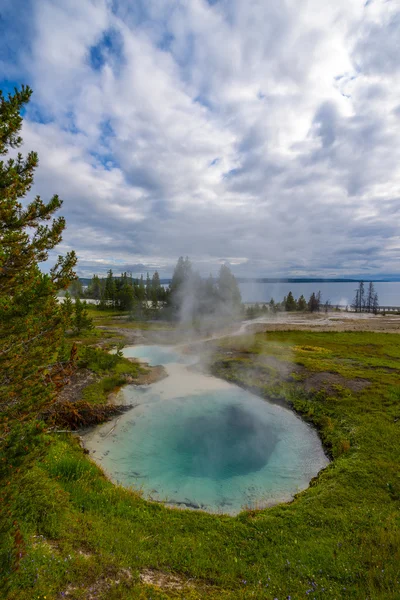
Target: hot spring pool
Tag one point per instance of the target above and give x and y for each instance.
(195, 440)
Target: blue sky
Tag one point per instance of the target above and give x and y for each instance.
(257, 132)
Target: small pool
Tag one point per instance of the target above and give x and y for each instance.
(194, 440)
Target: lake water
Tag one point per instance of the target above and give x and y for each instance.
(337, 293)
(194, 440)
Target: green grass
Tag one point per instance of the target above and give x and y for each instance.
(137, 325)
(117, 318)
(99, 314)
(97, 393)
(65, 527)
(113, 369)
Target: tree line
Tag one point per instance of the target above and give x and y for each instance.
(290, 304)
(122, 292)
(364, 301)
(188, 297)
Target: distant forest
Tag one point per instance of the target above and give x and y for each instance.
(189, 296)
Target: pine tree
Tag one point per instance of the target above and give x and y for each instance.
(32, 322)
(228, 290)
(156, 289)
(314, 302)
(148, 288)
(94, 288)
(359, 299)
(361, 296)
(375, 304)
(110, 289)
(290, 302)
(369, 303)
(141, 290)
(302, 304)
(209, 297)
(125, 297)
(356, 302)
(68, 307)
(75, 288)
(81, 321)
(182, 275)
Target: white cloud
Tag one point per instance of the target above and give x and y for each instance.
(260, 131)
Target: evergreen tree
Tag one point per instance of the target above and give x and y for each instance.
(359, 299)
(361, 296)
(32, 322)
(148, 288)
(110, 289)
(290, 303)
(356, 302)
(75, 289)
(302, 304)
(314, 303)
(182, 275)
(375, 304)
(125, 297)
(156, 289)
(94, 290)
(369, 304)
(228, 290)
(209, 296)
(68, 307)
(81, 320)
(141, 290)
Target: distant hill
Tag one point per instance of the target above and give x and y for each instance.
(86, 280)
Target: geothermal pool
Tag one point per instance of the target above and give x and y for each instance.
(194, 440)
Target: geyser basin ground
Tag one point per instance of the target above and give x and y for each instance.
(195, 440)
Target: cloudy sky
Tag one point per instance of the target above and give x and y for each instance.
(261, 132)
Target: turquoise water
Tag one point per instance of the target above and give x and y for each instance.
(156, 355)
(197, 441)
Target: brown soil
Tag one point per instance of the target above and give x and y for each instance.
(75, 415)
(165, 581)
(327, 381)
(152, 375)
(99, 587)
(72, 392)
(70, 411)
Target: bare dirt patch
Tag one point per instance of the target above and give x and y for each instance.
(98, 588)
(329, 382)
(153, 374)
(165, 581)
(72, 392)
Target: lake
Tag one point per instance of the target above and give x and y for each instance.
(336, 292)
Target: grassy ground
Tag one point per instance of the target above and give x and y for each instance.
(74, 534)
(113, 318)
